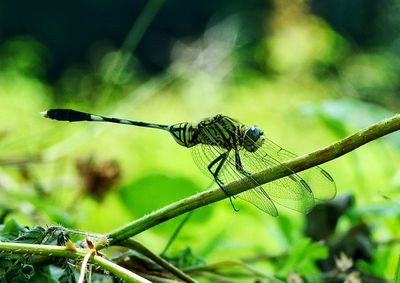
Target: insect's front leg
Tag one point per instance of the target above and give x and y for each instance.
(239, 166)
(221, 161)
(241, 170)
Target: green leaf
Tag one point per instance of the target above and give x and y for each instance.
(10, 230)
(384, 263)
(28, 271)
(68, 275)
(303, 256)
(34, 235)
(185, 258)
(152, 192)
(45, 274)
(341, 115)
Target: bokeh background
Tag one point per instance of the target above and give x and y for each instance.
(307, 72)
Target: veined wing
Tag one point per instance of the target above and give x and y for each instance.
(204, 154)
(291, 191)
(320, 181)
(296, 191)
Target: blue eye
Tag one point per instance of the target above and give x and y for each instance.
(253, 139)
(254, 133)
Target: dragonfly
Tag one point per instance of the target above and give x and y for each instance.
(228, 150)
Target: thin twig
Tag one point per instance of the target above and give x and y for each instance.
(176, 232)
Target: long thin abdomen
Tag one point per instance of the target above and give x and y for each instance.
(76, 116)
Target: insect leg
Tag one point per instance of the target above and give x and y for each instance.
(221, 161)
(239, 166)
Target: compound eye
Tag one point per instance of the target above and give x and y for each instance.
(253, 139)
(255, 133)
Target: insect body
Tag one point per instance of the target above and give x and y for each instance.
(228, 150)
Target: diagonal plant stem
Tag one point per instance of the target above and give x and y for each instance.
(297, 164)
(176, 232)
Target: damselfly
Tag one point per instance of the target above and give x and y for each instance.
(228, 150)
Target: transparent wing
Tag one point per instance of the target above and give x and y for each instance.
(320, 181)
(291, 191)
(296, 191)
(203, 155)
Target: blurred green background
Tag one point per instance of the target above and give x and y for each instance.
(307, 72)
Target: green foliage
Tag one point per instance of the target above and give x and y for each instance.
(22, 267)
(186, 259)
(154, 191)
(302, 82)
(10, 230)
(303, 256)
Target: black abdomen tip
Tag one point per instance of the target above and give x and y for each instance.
(66, 115)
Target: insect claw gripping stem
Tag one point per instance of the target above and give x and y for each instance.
(220, 184)
(233, 206)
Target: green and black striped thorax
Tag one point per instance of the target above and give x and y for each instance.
(221, 131)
